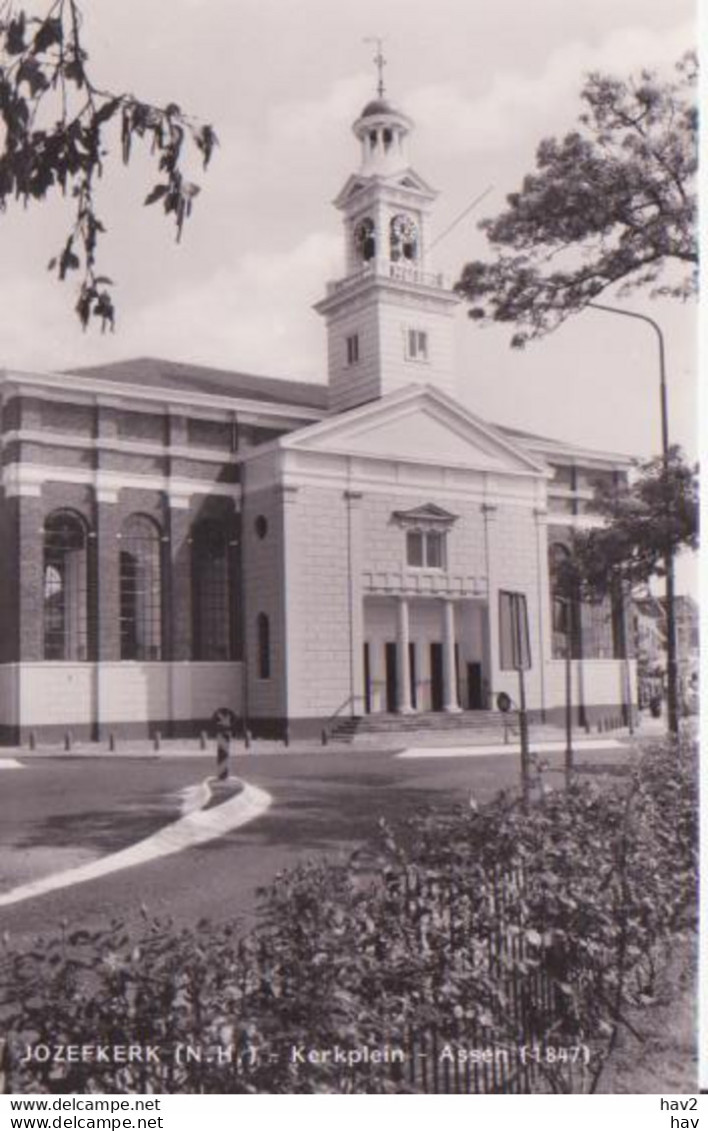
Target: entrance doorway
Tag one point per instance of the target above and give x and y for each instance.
(414, 677)
(475, 699)
(436, 677)
(391, 678)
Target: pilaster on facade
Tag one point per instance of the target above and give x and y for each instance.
(30, 556)
(355, 597)
(107, 524)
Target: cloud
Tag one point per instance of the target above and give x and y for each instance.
(517, 104)
(305, 121)
(251, 316)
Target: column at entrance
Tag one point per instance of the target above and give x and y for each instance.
(450, 698)
(404, 658)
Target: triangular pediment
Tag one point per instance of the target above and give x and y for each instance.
(353, 188)
(405, 179)
(429, 514)
(411, 180)
(418, 424)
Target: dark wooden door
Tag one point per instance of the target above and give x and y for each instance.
(474, 687)
(367, 679)
(436, 677)
(391, 678)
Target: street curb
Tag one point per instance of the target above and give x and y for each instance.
(196, 826)
(549, 747)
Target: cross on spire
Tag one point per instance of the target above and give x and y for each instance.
(379, 61)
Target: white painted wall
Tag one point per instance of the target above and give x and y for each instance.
(67, 694)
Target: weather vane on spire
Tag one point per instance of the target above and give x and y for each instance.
(379, 60)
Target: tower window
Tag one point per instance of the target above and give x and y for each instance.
(352, 349)
(416, 345)
(365, 239)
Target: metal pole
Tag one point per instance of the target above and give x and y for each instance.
(671, 658)
(523, 720)
(568, 695)
(524, 738)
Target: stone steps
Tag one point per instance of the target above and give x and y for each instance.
(347, 729)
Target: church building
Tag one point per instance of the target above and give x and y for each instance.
(177, 540)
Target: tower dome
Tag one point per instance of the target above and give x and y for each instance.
(383, 133)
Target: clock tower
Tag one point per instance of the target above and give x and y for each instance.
(390, 319)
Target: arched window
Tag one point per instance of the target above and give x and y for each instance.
(365, 239)
(404, 238)
(65, 590)
(140, 590)
(211, 619)
(263, 628)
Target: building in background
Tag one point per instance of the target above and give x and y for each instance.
(177, 539)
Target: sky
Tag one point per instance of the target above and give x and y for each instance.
(282, 81)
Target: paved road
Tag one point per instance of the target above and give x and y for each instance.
(324, 805)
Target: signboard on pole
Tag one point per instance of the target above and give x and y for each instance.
(514, 645)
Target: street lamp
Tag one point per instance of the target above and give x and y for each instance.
(671, 661)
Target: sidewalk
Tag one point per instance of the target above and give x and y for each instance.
(491, 738)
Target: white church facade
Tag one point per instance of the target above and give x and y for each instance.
(177, 540)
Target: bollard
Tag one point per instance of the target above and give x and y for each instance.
(286, 737)
(202, 740)
(325, 739)
(223, 750)
(111, 742)
(156, 740)
(247, 738)
(32, 740)
(67, 740)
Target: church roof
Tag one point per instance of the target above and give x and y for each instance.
(161, 374)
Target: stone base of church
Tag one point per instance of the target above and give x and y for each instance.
(127, 699)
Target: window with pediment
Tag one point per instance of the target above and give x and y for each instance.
(426, 530)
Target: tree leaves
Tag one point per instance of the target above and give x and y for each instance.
(659, 512)
(44, 78)
(612, 203)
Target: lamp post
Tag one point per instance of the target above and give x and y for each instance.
(671, 659)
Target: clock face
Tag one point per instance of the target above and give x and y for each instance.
(404, 228)
(404, 237)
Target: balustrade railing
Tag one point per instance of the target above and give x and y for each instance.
(398, 270)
